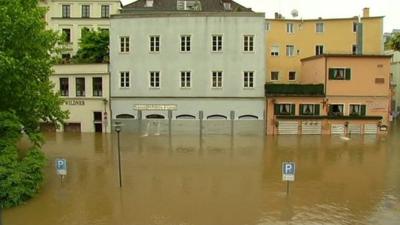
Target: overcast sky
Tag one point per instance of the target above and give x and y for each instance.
(327, 9)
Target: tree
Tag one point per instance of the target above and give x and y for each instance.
(393, 42)
(94, 47)
(26, 96)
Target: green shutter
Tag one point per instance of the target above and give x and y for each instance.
(293, 112)
(301, 109)
(276, 109)
(363, 110)
(348, 74)
(331, 74)
(316, 111)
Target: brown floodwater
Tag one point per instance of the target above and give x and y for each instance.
(217, 180)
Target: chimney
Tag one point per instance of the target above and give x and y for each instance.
(276, 15)
(366, 12)
(149, 3)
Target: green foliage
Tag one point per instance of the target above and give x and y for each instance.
(26, 96)
(20, 179)
(294, 89)
(26, 50)
(393, 42)
(93, 48)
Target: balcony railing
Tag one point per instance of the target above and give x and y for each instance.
(316, 90)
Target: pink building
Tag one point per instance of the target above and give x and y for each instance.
(337, 94)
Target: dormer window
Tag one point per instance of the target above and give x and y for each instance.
(227, 6)
(149, 3)
(190, 5)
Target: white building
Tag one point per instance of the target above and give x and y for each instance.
(85, 91)
(72, 17)
(203, 59)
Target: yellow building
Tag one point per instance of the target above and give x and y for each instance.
(289, 40)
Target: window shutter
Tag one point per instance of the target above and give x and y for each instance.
(316, 110)
(301, 109)
(348, 74)
(293, 111)
(331, 74)
(363, 110)
(276, 109)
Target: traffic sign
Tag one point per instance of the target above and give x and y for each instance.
(288, 171)
(61, 167)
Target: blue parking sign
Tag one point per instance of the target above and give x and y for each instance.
(61, 167)
(288, 171)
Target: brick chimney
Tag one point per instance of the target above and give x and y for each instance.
(366, 12)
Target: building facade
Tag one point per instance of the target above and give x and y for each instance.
(337, 94)
(85, 91)
(290, 40)
(395, 64)
(74, 17)
(201, 59)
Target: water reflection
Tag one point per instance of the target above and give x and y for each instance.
(217, 180)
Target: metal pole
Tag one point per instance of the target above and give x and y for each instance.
(119, 160)
(287, 188)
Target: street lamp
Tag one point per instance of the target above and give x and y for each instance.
(118, 130)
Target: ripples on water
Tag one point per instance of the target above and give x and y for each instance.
(217, 180)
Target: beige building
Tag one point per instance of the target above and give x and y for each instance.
(72, 17)
(85, 91)
(290, 40)
(337, 94)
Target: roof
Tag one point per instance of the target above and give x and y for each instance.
(344, 56)
(171, 5)
(355, 18)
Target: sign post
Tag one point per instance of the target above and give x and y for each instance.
(61, 167)
(288, 172)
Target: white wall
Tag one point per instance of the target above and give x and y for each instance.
(201, 61)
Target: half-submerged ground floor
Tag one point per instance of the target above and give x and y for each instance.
(327, 115)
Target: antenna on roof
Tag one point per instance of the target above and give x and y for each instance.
(295, 13)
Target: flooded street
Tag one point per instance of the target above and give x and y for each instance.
(217, 180)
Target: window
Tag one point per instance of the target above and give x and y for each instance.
(248, 79)
(309, 109)
(185, 79)
(154, 43)
(155, 79)
(64, 87)
(275, 51)
(267, 26)
(379, 80)
(80, 86)
(336, 110)
(66, 11)
(357, 110)
(355, 25)
(292, 75)
(84, 31)
(124, 44)
(105, 11)
(290, 27)
(217, 79)
(66, 32)
(274, 75)
(217, 43)
(339, 74)
(185, 43)
(97, 86)
(319, 27)
(354, 49)
(85, 11)
(284, 109)
(248, 43)
(124, 80)
(290, 50)
(66, 57)
(319, 49)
